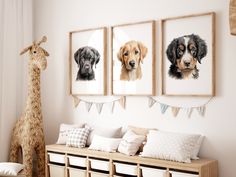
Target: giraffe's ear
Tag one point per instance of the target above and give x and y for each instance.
(45, 52)
(25, 50)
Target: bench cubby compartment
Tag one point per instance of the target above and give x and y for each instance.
(89, 163)
(56, 171)
(73, 172)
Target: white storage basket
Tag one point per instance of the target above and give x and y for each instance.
(57, 158)
(148, 172)
(99, 164)
(126, 168)
(77, 161)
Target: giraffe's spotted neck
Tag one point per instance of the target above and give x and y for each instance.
(33, 104)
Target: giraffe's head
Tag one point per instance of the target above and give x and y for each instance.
(37, 54)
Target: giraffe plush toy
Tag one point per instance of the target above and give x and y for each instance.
(28, 133)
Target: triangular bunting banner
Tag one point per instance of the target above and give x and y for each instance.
(122, 102)
(189, 112)
(175, 111)
(163, 108)
(201, 110)
(76, 101)
(88, 105)
(151, 102)
(99, 107)
(112, 106)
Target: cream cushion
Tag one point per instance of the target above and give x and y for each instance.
(170, 146)
(130, 143)
(111, 132)
(140, 131)
(101, 143)
(10, 169)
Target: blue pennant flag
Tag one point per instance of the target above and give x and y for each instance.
(164, 107)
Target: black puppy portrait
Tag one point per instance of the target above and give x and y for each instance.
(86, 58)
(185, 53)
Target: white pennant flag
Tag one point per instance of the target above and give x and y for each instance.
(201, 110)
(175, 111)
(99, 107)
(151, 102)
(112, 106)
(189, 112)
(88, 105)
(163, 108)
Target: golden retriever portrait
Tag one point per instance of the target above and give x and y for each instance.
(131, 55)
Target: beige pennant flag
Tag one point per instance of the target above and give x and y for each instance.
(122, 102)
(175, 111)
(76, 101)
(88, 105)
(151, 102)
(99, 107)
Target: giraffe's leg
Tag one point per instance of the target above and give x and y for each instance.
(28, 160)
(40, 153)
(14, 149)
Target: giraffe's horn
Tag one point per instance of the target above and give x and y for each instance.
(44, 39)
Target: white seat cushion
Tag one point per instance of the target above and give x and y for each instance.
(10, 168)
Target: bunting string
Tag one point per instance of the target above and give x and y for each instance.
(175, 109)
(99, 105)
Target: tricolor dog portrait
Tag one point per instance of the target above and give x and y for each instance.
(131, 55)
(88, 61)
(133, 58)
(185, 53)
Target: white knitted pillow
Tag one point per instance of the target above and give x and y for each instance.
(170, 146)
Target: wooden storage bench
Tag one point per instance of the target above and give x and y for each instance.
(62, 161)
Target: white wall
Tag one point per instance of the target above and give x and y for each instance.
(55, 18)
(15, 32)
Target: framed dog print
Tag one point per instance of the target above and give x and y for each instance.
(188, 55)
(133, 59)
(88, 62)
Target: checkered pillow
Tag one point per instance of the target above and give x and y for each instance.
(78, 137)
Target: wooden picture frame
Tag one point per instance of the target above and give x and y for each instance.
(88, 61)
(188, 55)
(133, 70)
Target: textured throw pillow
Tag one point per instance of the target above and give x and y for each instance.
(101, 143)
(140, 131)
(64, 131)
(78, 137)
(170, 146)
(10, 169)
(196, 149)
(130, 143)
(105, 132)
